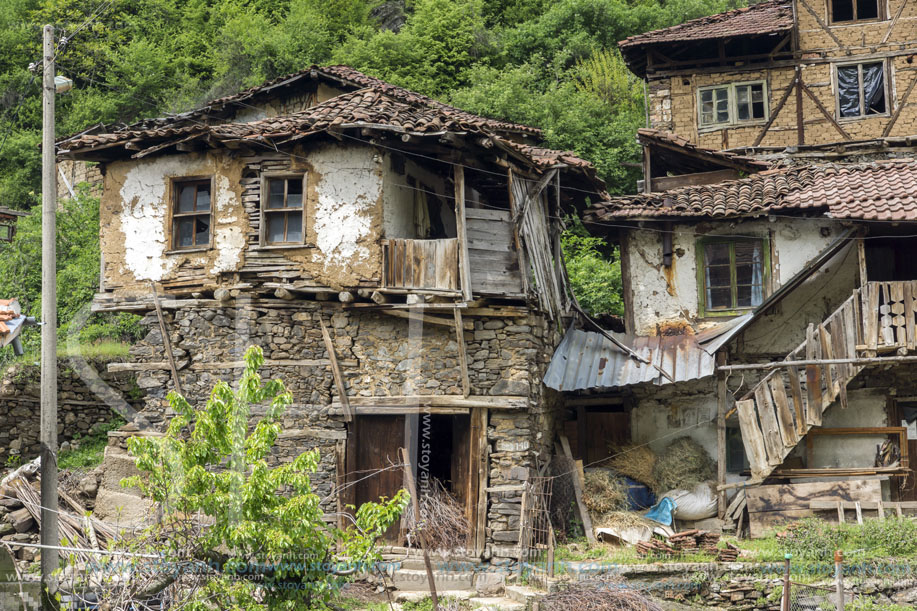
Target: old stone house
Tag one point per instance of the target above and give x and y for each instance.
(767, 261)
(396, 258)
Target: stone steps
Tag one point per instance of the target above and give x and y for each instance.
(522, 594)
(416, 580)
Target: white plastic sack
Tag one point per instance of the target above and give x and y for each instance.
(697, 504)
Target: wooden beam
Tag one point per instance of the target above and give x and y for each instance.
(166, 341)
(893, 22)
(486, 401)
(578, 485)
(464, 265)
(427, 318)
(770, 121)
(824, 111)
(879, 360)
(463, 355)
(901, 104)
(336, 372)
(822, 24)
(800, 123)
(861, 254)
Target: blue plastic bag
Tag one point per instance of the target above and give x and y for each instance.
(663, 511)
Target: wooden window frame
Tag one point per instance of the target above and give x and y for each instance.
(264, 211)
(6, 232)
(886, 76)
(175, 184)
(881, 12)
(732, 101)
(735, 310)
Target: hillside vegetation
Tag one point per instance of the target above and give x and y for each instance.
(548, 63)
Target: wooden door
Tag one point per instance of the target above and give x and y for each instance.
(372, 446)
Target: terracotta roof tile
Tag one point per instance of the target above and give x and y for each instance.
(882, 190)
(365, 107)
(766, 17)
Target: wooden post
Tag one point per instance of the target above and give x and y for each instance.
(861, 257)
(578, 485)
(800, 124)
(336, 373)
(647, 170)
(785, 606)
(464, 266)
(721, 436)
(166, 341)
(412, 490)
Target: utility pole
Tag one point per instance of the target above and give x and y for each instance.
(49, 534)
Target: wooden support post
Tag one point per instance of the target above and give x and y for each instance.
(412, 490)
(463, 355)
(479, 461)
(464, 265)
(721, 436)
(861, 258)
(800, 124)
(166, 341)
(336, 372)
(578, 485)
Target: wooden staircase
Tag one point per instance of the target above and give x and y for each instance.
(877, 320)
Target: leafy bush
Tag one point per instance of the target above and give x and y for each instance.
(90, 448)
(814, 539)
(594, 277)
(257, 519)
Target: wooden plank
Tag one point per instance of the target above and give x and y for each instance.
(799, 406)
(859, 511)
(376, 410)
(772, 438)
(867, 505)
(463, 355)
(721, 398)
(166, 339)
(487, 214)
(578, 485)
(843, 371)
(813, 390)
(861, 261)
(477, 496)
(880, 509)
(799, 495)
(336, 373)
(909, 310)
(871, 315)
(784, 417)
(752, 438)
(898, 310)
(492, 402)
(830, 371)
(426, 318)
(840, 513)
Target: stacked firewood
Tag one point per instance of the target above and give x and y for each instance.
(686, 542)
(728, 554)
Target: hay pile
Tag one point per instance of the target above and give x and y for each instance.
(443, 519)
(598, 596)
(622, 520)
(604, 492)
(682, 465)
(635, 462)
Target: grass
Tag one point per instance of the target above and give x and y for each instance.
(91, 448)
(104, 349)
(607, 553)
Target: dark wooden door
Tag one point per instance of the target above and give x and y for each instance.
(908, 491)
(373, 447)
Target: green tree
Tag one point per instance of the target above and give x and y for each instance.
(594, 277)
(256, 519)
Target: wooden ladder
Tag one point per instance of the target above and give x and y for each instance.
(776, 414)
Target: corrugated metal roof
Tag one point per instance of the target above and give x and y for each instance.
(587, 360)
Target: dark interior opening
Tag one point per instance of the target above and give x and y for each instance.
(439, 443)
(867, 9)
(891, 258)
(842, 10)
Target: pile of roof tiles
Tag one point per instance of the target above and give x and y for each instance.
(689, 542)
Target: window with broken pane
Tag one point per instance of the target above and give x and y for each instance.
(750, 104)
(714, 106)
(191, 214)
(733, 274)
(282, 209)
(861, 90)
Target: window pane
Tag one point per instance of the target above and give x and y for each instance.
(275, 193)
(719, 298)
(848, 91)
(743, 296)
(202, 229)
(748, 252)
(742, 103)
(185, 232)
(744, 273)
(294, 193)
(757, 101)
(294, 226)
(842, 10)
(203, 197)
(275, 227)
(874, 88)
(722, 105)
(186, 198)
(719, 275)
(867, 9)
(716, 254)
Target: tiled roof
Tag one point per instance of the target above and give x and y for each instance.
(363, 108)
(766, 17)
(674, 141)
(881, 190)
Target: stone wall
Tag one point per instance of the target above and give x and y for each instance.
(380, 355)
(79, 410)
